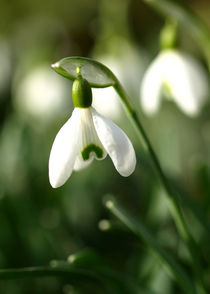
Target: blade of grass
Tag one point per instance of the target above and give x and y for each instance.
(140, 229)
(123, 281)
(77, 275)
(74, 276)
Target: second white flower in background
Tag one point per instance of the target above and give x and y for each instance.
(180, 77)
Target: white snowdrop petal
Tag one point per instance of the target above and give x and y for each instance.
(185, 97)
(116, 143)
(181, 84)
(89, 145)
(150, 91)
(81, 164)
(186, 79)
(64, 151)
(198, 77)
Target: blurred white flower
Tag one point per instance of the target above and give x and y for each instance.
(39, 94)
(176, 75)
(85, 136)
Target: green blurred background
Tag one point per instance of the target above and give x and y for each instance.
(39, 224)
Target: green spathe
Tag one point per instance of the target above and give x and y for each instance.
(97, 74)
(81, 92)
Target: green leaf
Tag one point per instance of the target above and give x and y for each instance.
(79, 273)
(140, 229)
(97, 74)
(119, 281)
(75, 276)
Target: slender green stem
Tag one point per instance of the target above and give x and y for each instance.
(173, 197)
(176, 211)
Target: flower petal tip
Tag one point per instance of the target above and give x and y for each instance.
(55, 184)
(130, 168)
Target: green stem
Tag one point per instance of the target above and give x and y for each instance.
(172, 195)
(176, 211)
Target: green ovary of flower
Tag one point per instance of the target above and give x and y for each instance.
(81, 92)
(91, 148)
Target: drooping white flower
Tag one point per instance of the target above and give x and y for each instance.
(85, 136)
(180, 77)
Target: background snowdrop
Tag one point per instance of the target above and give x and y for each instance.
(175, 75)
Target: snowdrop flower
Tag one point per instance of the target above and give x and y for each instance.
(85, 136)
(178, 76)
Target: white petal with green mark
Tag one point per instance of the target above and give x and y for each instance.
(90, 146)
(85, 136)
(116, 143)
